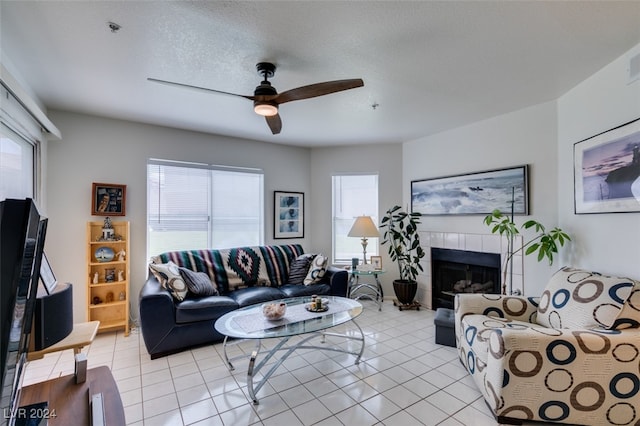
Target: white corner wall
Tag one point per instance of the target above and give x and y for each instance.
(608, 243)
(527, 136)
(95, 149)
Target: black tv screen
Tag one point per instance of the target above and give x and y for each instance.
(22, 234)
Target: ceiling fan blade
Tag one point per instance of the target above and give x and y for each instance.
(318, 89)
(188, 86)
(275, 123)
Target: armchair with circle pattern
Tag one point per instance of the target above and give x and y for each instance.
(571, 355)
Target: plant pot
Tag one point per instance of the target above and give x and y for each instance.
(405, 290)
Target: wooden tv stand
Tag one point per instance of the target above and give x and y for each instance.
(69, 403)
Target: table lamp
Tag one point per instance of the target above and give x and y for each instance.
(365, 228)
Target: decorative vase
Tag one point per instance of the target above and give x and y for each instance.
(405, 290)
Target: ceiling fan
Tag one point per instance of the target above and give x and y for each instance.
(266, 99)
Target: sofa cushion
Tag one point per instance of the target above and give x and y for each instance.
(576, 298)
(168, 274)
(317, 269)
(198, 283)
(298, 290)
(252, 295)
(630, 315)
(300, 268)
(193, 309)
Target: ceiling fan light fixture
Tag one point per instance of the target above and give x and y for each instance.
(266, 109)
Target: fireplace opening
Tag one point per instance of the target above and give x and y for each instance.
(462, 271)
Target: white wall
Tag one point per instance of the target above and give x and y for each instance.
(609, 243)
(527, 136)
(95, 149)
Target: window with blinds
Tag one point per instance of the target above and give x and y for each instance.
(197, 206)
(353, 195)
(17, 165)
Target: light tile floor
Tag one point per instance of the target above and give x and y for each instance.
(404, 378)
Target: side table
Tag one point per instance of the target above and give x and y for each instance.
(82, 335)
(371, 291)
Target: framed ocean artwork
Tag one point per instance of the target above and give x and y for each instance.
(478, 193)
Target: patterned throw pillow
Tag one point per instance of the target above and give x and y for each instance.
(198, 283)
(316, 270)
(630, 315)
(576, 298)
(300, 268)
(169, 276)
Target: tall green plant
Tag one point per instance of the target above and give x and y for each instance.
(401, 233)
(544, 243)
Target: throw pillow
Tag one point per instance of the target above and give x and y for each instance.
(198, 283)
(630, 315)
(169, 276)
(576, 298)
(316, 270)
(300, 268)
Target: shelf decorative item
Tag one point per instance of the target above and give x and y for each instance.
(104, 254)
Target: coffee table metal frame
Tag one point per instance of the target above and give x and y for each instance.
(314, 327)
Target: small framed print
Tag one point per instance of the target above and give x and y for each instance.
(108, 199)
(288, 214)
(47, 277)
(376, 261)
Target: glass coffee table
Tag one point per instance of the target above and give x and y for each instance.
(249, 323)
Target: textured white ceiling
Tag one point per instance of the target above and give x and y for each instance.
(429, 65)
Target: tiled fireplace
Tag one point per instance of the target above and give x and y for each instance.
(462, 271)
(483, 243)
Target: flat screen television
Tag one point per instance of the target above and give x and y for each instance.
(22, 235)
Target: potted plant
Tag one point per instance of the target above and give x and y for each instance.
(401, 233)
(544, 243)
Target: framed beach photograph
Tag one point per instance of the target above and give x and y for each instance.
(606, 170)
(108, 199)
(477, 193)
(288, 214)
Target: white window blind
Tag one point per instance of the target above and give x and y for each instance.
(196, 206)
(17, 165)
(353, 195)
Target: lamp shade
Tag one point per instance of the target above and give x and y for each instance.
(364, 227)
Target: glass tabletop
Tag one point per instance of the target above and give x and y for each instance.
(249, 323)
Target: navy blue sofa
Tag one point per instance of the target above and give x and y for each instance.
(170, 326)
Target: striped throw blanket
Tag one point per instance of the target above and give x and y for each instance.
(240, 267)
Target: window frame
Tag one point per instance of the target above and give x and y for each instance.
(373, 247)
(211, 171)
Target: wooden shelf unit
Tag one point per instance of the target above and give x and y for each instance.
(113, 315)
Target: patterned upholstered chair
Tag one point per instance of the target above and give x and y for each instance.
(569, 356)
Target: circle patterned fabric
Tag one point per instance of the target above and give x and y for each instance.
(577, 375)
(576, 298)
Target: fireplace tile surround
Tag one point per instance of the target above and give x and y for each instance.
(486, 243)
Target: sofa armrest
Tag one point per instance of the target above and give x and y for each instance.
(496, 305)
(567, 366)
(157, 312)
(337, 278)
